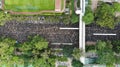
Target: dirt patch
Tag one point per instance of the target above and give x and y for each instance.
(94, 4)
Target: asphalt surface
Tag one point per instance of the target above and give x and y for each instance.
(93, 28)
(20, 32)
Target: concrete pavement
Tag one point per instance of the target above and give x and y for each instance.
(82, 30)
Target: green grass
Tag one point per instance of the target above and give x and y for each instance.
(29, 5)
(62, 6)
(74, 17)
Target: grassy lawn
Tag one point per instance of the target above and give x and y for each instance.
(74, 17)
(62, 6)
(29, 5)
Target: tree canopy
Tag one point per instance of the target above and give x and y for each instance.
(116, 46)
(76, 63)
(105, 53)
(6, 48)
(4, 17)
(67, 51)
(41, 62)
(89, 16)
(34, 51)
(76, 53)
(33, 45)
(116, 6)
(105, 15)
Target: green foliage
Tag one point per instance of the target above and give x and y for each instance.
(30, 53)
(89, 47)
(67, 51)
(89, 2)
(78, 3)
(41, 62)
(16, 60)
(36, 49)
(4, 18)
(46, 54)
(62, 58)
(76, 63)
(6, 48)
(116, 6)
(66, 19)
(88, 17)
(117, 19)
(33, 46)
(110, 65)
(74, 17)
(76, 53)
(117, 59)
(105, 16)
(62, 66)
(116, 46)
(105, 53)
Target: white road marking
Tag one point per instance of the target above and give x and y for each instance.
(66, 28)
(104, 34)
(62, 43)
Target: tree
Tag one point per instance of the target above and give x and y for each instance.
(76, 53)
(38, 42)
(117, 19)
(16, 60)
(116, 6)
(67, 50)
(46, 54)
(105, 53)
(88, 17)
(31, 53)
(41, 62)
(76, 63)
(116, 46)
(74, 18)
(105, 16)
(6, 48)
(4, 17)
(34, 45)
(100, 45)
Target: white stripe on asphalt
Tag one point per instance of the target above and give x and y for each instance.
(66, 28)
(62, 43)
(104, 34)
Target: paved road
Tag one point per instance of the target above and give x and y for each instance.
(97, 29)
(51, 32)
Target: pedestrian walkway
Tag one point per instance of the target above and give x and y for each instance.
(82, 31)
